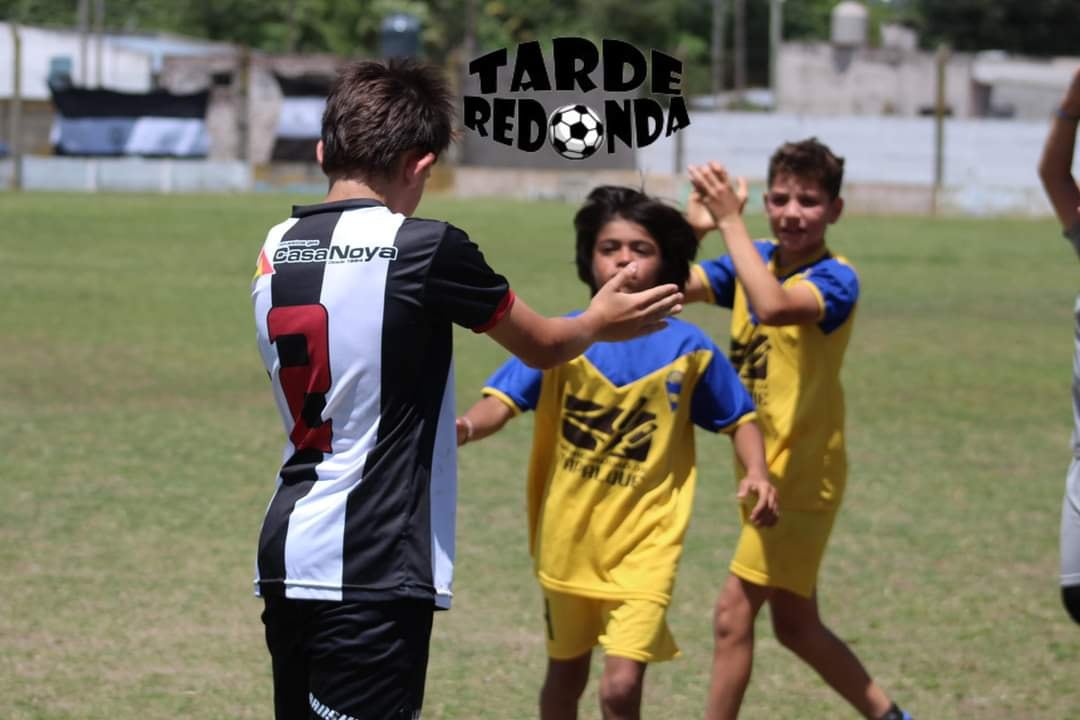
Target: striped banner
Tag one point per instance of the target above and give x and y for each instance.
(300, 121)
(110, 123)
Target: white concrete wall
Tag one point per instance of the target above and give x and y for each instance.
(122, 69)
(989, 165)
(70, 174)
(818, 79)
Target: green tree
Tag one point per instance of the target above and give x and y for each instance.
(1041, 28)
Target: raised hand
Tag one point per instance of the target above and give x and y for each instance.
(699, 217)
(715, 192)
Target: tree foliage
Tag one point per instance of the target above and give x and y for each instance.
(1031, 27)
(681, 27)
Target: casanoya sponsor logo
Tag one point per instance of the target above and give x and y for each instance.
(579, 130)
(307, 251)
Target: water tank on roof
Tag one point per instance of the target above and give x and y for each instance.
(850, 21)
(400, 36)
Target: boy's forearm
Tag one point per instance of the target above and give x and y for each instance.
(486, 417)
(762, 288)
(544, 342)
(614, 314)
(1055, 165)
(1055, 170)
(561, 339)
(750, 448)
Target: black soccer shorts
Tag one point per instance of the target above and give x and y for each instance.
(348, 661)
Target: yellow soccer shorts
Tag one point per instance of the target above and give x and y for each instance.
(634, 629)
(787, 555)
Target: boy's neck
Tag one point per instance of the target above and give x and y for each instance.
(788, 260)
(353, 189)
(395, 196)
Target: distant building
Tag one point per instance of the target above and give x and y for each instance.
(1019, 87)
(848, 77)
(823, 79)
(242, 85)
(820, 79)
(124, 62)
(260, 99)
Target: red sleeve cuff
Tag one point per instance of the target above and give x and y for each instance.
(504, 307)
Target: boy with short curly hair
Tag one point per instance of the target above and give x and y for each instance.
(793, 305)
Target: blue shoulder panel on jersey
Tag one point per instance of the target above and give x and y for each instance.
(721, 273)
(630, 360)
(519, 382)
(838, 284)
(621, 363)
(719, 398)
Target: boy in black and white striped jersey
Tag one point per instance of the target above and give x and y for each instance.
(354, 306)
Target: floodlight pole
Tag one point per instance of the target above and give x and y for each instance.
(242, 81)
(84, 28)
(776, 32)
(740, 48)
(291, 33)
(467, 50)
(15, 109)
(942, 61)
(99, 35)
(719, 20)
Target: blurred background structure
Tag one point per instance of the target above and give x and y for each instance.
(938, 105)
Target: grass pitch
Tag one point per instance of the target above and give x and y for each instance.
(140, 444)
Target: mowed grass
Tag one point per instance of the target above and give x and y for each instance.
(139, 446)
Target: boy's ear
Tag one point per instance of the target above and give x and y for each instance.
(416, 165)
(319, 152)
(836, 207)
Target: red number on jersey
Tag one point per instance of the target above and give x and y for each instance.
(302, 337)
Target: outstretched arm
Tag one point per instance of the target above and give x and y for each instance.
(1055, 166)
(750, 450)
(701, 220)
(486, 417)
(613, 314)
(772, 302)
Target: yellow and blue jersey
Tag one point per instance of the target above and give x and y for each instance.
(793, 373)
(612, 470)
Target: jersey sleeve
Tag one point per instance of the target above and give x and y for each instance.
(718, 275)
(516, 384)
(837, 285)
(720, 402)
(720, 278)
(461, 285)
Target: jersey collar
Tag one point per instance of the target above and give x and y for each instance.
(300, 211)
(787, 271)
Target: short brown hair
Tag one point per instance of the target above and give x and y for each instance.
(809, 159)
(377, 111)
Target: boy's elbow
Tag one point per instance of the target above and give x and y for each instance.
(537, 361)
(1054, 174)
(767, 317)
(541, 356)
(1047, 172)
(771, 314)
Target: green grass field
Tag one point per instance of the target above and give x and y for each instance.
(139, 446)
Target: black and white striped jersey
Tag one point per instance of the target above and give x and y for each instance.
(353, 312)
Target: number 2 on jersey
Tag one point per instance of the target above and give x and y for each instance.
(301, 334)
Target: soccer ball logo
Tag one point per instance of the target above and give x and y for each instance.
(575, 131)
